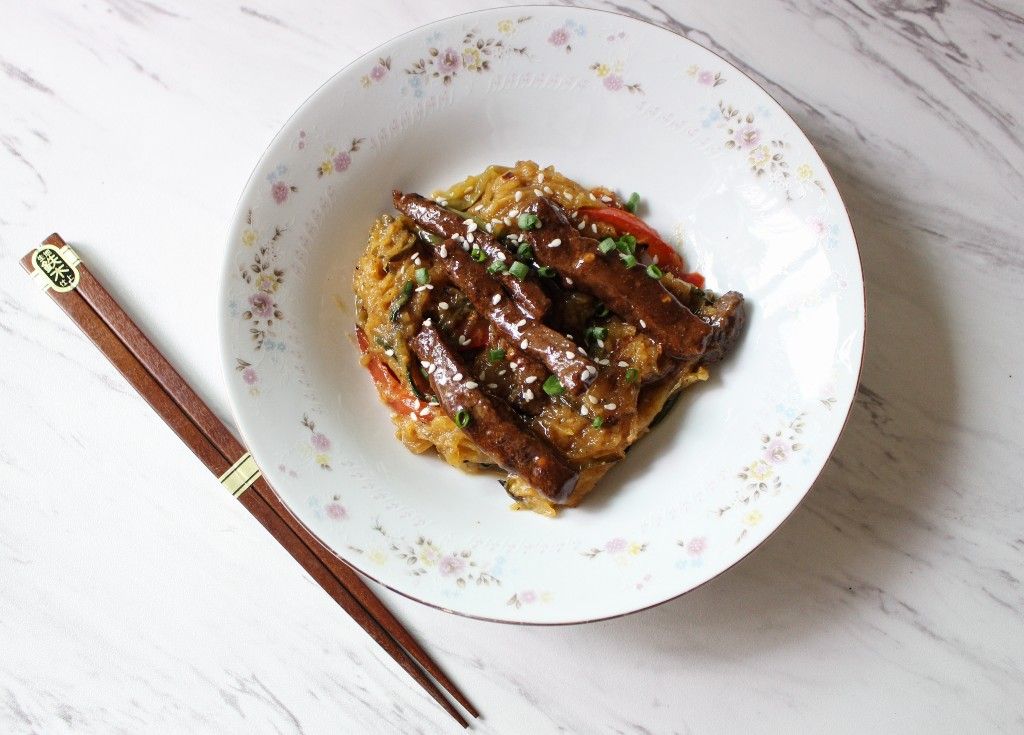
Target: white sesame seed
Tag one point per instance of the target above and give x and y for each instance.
(417, 260)
(424, 411)
(513, 212)
(609, 406)
(429, 286)
(443, 252)
(471, 384)
(489, 227)
(530, 379)
(605, 361)
(592, 196)
(581, 350)
(600, 343)
(492, 386)
(547, 190)
(521, 323)
(605, 198)
(519, 196)
(457, 376)
(528, 394)
(655, 259)
(496, 299)
(420, 288)
(582, 224)
(502, 372)
(412, 415)
(443, 305)
(568, 194)
(555, 243)
(568, 281)
(468, 221)
(524, 344)
(478, 207)
(513, 364)
(593, 226)
(465, 245)
(540, 178)
(389, 352)
(463, 340)
(643, 324)
(470, 237)
(538, 192)
(431, 369)
(584, 410)
(427, 322)
(568, 353)
(592, 399)
(501, 256)
(622, 363)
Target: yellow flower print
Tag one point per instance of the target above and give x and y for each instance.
(249, 237)
(692, 70)
(760, 156)
(428, 555)
(753, 518)
(267, 282)
(804, 172)
(364, 80)
(545, 596)
(506, 26)
(759, 471)
(471, 58)
(322, 459)
(602, 70)
(635, 548)
(326, 167)
(378, 557)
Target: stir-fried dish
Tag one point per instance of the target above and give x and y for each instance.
(521, 322)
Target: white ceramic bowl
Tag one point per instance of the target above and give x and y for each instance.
(724, 173)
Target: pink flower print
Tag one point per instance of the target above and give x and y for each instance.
(747, 136)
(776, 451)
(279, 191)
(559, 37)
(449, 61)
(342, 161)
(262, 305)
(249, 376)
(377, 73)
(613, 82)
(706, 77)
(528, 596)
(336, 511)
(320, 442)
(696, 546)
(615, 545)
(451, 564)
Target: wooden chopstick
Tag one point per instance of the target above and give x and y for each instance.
(264, 504)
(219, 435)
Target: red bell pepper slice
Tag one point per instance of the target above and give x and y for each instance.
(390, 388)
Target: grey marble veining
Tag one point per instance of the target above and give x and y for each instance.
(135, 600)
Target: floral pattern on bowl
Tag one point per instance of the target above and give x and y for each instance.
(759, 214)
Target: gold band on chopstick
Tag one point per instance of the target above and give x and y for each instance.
(55, 268)
(241, 475)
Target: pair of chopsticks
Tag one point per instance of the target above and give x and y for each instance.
(57, 268)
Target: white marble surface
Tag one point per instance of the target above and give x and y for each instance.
(135, 597)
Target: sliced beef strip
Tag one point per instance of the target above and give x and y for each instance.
(629, 292)
(447, 224)
(492, 424)
(543, 344)
(726, 316)
(513, 375)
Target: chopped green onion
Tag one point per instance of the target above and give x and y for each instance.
(553, 387)
(597, 423)
(422, 276)
(519, 269)
(626, 244)
(525, 252)
(654, 271)
(495, 267)
(595, 333)
(606, 245)
(546, 271)
(601, 311)
(462, 418)
(495, 355)
(527, 221)
(629, 259)
(478, 255)
(633, 202)
(631, 375)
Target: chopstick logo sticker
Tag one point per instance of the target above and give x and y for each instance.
(56, 268)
